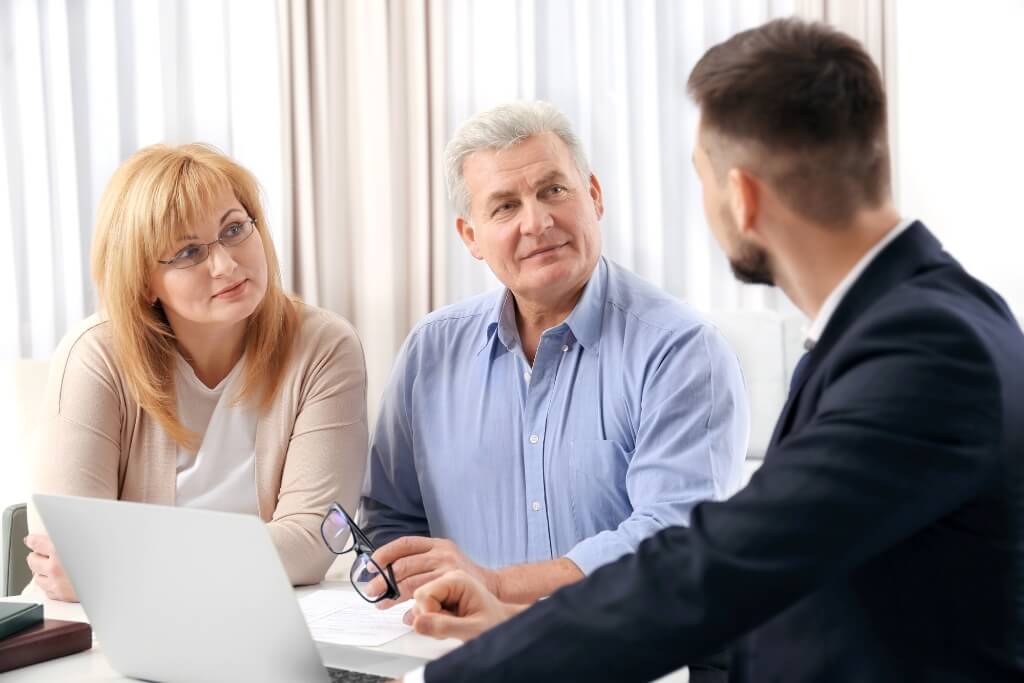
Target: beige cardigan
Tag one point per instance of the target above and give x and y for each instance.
(311, 444)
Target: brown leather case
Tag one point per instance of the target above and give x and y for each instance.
(49, 640)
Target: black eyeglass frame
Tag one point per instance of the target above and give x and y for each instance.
(173, 261)
(362, 546)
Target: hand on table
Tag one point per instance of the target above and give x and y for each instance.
(47, 571)
(416, 560)
(457, 605)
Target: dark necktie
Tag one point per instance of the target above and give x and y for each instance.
(799, 372)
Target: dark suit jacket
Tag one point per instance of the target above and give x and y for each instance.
(882, 539)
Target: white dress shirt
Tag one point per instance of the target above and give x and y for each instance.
(832, 301)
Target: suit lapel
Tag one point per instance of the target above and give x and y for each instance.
(915, 249)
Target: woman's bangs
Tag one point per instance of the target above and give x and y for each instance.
(192, 189)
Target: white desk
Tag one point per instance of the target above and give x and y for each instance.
(91, 666)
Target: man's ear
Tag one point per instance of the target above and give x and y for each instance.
(595, 194)
(468, 234)
(743, 200)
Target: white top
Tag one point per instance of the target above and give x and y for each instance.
(222, 474)
(832, 301)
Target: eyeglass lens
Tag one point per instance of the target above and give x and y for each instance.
(231, 236)
(364, 571)
(336, 533)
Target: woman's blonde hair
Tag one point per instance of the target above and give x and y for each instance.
(152, 201)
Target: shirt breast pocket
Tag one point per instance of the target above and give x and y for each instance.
(598, 481)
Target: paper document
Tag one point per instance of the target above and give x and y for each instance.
(343, 618)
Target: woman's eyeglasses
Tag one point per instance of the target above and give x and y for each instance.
(231, 236)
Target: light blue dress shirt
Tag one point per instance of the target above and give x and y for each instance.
(633, 412)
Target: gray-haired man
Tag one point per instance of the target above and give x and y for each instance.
(533, 434)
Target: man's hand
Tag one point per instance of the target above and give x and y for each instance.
(47, 570)
(457, 605)
(417, 560)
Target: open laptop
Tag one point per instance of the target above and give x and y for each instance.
(178, 594)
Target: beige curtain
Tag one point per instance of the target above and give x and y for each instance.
(359, 195)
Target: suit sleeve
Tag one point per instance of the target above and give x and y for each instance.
(392, 501)
(903, 434)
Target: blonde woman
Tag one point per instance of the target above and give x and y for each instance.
(201, 383)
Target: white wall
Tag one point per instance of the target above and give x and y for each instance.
(960, 132)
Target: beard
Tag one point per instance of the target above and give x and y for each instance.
(752, 265)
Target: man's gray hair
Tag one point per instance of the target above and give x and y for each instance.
(498, 129)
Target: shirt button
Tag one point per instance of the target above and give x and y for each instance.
(534, 438)
(526, 375)
(565, 348)
(536, 506)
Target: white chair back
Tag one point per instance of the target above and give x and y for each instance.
(768, 346)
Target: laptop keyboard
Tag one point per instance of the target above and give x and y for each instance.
(346, 676)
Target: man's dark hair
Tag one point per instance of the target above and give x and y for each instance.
(803, 105)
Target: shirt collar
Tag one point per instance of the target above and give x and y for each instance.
(502, 304)
(587, 317)
(584, 321)
(812, 333)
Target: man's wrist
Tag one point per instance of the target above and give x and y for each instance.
(495, 584)
(526, 583)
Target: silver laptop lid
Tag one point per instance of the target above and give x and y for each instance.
(177, 594)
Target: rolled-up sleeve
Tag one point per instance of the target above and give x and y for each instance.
(392, 504)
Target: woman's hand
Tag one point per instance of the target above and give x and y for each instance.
(457, 605)
(47, 570)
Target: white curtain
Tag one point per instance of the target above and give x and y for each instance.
(342, 109)
(83, 85)
(373, 91)
(618, 69)
(360, 171)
